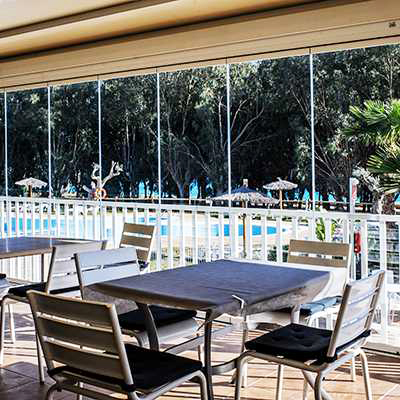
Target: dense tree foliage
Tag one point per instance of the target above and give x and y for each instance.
(269, 122)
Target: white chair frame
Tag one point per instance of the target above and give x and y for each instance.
(87, 336)
(348, 316)
(62, 274)
(100, 266)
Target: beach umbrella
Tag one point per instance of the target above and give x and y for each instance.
(280, 185)
(31, 183)
(244, 195)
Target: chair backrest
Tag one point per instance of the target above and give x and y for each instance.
(62, 273)
(139, 236)
(80, 335)
(100, 266)
(328, 254)
(356, 312)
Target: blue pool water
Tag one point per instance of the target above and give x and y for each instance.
(256, 229)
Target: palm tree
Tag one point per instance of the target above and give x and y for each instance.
(386, 163)
(377, 124)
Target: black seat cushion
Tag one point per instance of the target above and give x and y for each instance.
(150, 369)
(297, 342)
(312, 308)
(21, 291)
(134, 320)
(153, 368)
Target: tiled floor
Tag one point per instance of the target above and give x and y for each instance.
(18, 376)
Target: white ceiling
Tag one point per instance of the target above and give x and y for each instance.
(32, 25)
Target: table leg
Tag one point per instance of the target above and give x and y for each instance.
(207, 356)
(150, 325)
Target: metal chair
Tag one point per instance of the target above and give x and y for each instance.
(321, 351)
(326, 254)
(308, 252)
(62, 279)
(141, 237)
(101, 266)
(82, 345)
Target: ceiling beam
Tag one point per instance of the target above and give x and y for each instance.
(84, 16)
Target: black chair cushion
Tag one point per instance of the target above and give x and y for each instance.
(150, 369)
(309, 309)
(297, 342)
(21, 291)
(134, 320)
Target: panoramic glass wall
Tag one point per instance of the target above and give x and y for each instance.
(270, 129)
(74, 139)
(27, 147)
(194, 154)
(270, 123)
(129, 137)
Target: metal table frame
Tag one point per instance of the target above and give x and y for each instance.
(207, 337)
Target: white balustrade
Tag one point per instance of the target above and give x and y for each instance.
(189, 234)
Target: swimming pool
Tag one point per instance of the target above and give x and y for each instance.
(176, 229)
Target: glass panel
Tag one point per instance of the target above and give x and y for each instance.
(271, 139)
(27, 141)
(129, 137)
(193, 154)
(193, 133)
(74, 139)
(343, 80)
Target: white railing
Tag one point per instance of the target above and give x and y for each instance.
(189, 234)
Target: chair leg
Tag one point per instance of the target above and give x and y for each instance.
(2, 329)
(50, 392)
(40, 360)
(305, 389)
(367, 381)
(239, 376)
(317, 387)
(199, 350)
(279, 385)
(11, 322)
(203, 387)
(245, 337)
(353, 373)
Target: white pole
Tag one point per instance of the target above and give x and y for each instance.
(159, 137)
(312, 122)
(158, 261)
(228, 127)
(49, 137)
(102, 227)
(5, 144)
(99, 125)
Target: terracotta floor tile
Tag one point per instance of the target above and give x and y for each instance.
(18, 377)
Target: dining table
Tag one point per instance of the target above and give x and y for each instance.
(233, 287)
(23, 246)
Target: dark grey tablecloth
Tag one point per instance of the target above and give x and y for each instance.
(212, 286)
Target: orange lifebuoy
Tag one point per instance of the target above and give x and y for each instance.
(100, 193)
